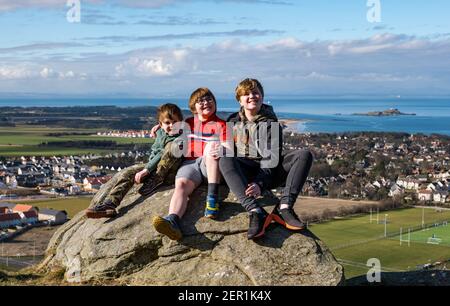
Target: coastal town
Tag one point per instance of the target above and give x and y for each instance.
(58, 176)
(406, 168)
(374, 166)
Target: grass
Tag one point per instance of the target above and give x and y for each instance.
(29, 277)
(422, 236)
(23, 140)
(71, 205)
(354, 240)
(354, 229)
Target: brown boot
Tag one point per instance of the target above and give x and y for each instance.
(106, 209)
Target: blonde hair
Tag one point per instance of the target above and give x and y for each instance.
(197, 95)
(246, 86)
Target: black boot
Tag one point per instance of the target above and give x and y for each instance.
(256, 226)
(289, 216)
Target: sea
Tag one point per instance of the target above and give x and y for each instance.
(432, 116)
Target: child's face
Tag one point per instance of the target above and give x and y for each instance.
(252, 101)
(167, 125)
(205, 106)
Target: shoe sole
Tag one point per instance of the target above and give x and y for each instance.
(294, 228)
(163, 227)
(100, 214)
(277, 218)
(213, 217)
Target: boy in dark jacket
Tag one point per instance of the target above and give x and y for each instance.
(161, 167)
(260, 163)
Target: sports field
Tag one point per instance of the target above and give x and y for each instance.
(23, 140)
(438, 234)
(71, 205)
(354, 240)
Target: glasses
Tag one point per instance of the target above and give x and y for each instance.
(205, 100)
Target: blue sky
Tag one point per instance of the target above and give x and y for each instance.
(165, 48)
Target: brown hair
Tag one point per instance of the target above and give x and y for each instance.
(246, 86)
(170, 111)
(197, 95)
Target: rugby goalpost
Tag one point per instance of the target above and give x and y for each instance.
(378, 216)
(405, 240)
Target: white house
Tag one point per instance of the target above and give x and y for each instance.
(396, 190)
(425, 195)
(431, 187)
(408, 183)
(52, 216)
(440, 196)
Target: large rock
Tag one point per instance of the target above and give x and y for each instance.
(128, 249)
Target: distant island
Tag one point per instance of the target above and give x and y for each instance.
(389, 112)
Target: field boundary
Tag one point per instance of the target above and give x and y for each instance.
(362, 265)
(389, 235)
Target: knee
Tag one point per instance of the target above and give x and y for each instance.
(305, 155)
(182, 185)
(224, 162)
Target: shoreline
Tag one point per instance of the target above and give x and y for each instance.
(293, 125)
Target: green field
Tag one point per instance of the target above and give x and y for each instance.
(439, 235)
(23, 140)
(71, 205)
(354, 240)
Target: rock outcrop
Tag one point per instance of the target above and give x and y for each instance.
(213, 252)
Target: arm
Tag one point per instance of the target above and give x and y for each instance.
(156, 153)
(154, 130)
(153, 161)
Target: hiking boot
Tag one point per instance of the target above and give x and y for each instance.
(257, 224)
(167, 227)
(292, 221)
(106, 209)
(150, 186)
(212, 208)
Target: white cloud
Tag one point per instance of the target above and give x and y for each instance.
(392, 63)
(48, 73)
(154, 67)
(144, 67)
(14, 72)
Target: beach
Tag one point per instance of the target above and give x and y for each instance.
(292, 125)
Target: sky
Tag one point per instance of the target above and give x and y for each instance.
(168, 48)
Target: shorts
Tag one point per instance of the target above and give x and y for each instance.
(194, 170)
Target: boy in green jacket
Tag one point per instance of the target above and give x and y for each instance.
(161, 167)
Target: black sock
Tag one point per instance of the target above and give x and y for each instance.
(213, 190)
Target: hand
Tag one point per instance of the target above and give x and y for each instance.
(140, 175)
(253, 190)
(154, 130)
(214, 150)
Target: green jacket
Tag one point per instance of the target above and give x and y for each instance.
(162, 139)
